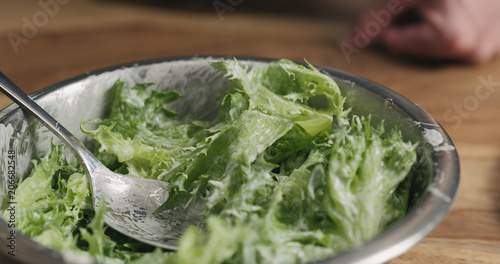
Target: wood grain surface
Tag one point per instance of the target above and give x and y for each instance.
(86, 35)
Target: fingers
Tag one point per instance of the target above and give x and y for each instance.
(418, 39)
(440, 36)
(486, 49)
(463, 30)
(373, 20)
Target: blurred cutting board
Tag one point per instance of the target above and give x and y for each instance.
(86, 35)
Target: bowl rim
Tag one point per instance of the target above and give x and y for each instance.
(393, 242)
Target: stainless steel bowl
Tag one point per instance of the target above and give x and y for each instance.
(433, 189)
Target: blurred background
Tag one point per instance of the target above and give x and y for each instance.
(84, 35)
(47, 41)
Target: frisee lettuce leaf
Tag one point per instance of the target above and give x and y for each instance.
(287, 175)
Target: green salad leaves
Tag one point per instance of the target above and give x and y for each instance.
(287, 175)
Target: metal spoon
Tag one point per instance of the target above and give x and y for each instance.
(130, 202)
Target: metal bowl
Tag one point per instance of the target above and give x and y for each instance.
(433, 188)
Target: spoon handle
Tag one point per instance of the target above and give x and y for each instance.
(24, 101)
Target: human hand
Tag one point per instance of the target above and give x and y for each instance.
(463, 30)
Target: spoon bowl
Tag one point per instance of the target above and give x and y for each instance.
(130, 202)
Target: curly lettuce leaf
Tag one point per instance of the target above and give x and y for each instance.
(51, 201)
(141, 137)
(216, 159)
(285, 174)
(364, 172)
(288, 90)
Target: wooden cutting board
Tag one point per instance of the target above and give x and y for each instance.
(86, 35)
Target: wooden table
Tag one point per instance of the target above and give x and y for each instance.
(80, 36)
